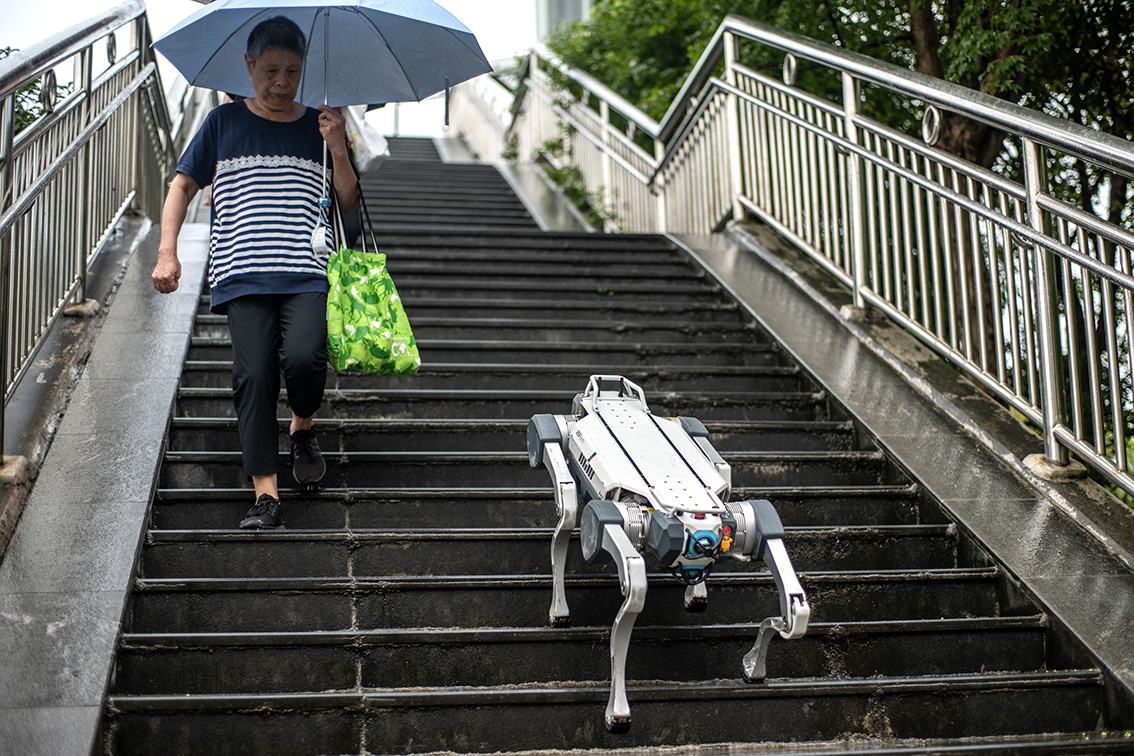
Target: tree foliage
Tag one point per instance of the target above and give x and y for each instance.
(29, 105)
(1074, 58)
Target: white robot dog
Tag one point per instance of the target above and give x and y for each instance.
(653, 484)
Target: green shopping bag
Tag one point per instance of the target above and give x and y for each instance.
(367, 328)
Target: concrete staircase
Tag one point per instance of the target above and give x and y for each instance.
(404, 609)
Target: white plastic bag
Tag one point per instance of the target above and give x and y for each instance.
(367, 146)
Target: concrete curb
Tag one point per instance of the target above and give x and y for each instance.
(66, 577)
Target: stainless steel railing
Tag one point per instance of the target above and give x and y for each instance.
(1031, 296)
(65, 181)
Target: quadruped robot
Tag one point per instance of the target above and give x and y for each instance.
(657, 485)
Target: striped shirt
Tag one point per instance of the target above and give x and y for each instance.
(267, 178)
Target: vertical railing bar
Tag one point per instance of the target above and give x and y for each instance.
(1035, 183)
(1115, 380)
(855, 212)
(922, 252)
(1070, 307)
(779, 165)
(995, 294)
(1093, 356)
(950, 261)
(732, 116)
(885, 214)
(7, 135)
(1122, 258)
(1014, 310)
(869, 215)
(86, 58)
(822, 245)
(1027, 278)
(814, 215)
(909, 239)
(934, 253)
(981, 297)
(962, 295)
(894, 186)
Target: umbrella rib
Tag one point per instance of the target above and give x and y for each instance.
(451, 32)
(221, 46)
(382, 37)
(307, 57)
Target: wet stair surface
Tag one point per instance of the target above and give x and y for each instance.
(404, 609)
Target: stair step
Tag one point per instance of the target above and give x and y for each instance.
(427, 328)
(350, 434)
(351, 469)
(521, 243)
(500, 718)
(208, 508)
(506, 378)
(423, 403)
(189, 604)
(561, 309)
(456, 306)
(244, 663)
(499, 352)
(434, 551)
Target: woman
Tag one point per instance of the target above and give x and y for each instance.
(263, 158)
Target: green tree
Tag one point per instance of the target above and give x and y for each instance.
(1048, 54)
(29, 105)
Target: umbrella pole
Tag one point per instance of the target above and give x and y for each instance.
(326, 58)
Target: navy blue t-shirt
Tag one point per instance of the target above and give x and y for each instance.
(267, 179)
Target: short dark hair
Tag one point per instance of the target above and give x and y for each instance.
(279, 32)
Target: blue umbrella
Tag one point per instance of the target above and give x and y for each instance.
(359, 51)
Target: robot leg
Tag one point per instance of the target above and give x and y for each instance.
(544, 445)
(603, 529)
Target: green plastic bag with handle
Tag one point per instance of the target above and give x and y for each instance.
(367, 327)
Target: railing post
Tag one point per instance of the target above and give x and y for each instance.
(7, 137)
(607, 172)
(732, 116)
(856, 213)
(1051, 367)
(661, 223)
(86, 78)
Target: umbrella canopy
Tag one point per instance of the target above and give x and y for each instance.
(359, 51)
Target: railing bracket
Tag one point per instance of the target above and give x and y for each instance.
(14, 471)
(853, 314)
(88, 308)
(1040, 466)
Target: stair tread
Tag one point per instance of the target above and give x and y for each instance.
(643, 691)
(508, 634)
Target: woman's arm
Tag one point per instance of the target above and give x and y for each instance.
(332, 125)
(167, 272)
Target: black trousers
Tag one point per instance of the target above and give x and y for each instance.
(273, 333)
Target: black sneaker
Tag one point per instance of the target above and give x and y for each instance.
(265, 515)
(307, 465)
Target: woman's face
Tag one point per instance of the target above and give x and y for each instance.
(275, 78)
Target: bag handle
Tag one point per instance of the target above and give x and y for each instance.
(368, 227)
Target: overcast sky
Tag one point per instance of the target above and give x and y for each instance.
(503, 28)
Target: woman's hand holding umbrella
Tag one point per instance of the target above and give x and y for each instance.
(332, 125)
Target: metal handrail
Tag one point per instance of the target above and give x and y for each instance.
(1002, 278)
(67, 179)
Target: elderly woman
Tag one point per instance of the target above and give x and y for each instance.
(263, 157)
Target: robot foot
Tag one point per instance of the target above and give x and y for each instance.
(618, 725)
(696, 605)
